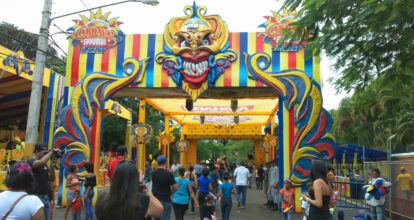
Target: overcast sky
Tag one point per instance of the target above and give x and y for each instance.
(240, 15)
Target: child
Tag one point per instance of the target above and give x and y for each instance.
(288, 199)
(207, 210)
(305, 204)
(225, 191)
(76, 205)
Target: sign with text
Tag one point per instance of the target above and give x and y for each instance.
(97, 33)
(275, 27)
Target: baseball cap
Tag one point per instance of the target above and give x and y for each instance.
(161, 160)
(402, 168)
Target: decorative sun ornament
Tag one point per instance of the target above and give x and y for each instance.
(96, 33)
(142, 132)
(276, 26)
(182, 146)
(165, 139)
(196, 50)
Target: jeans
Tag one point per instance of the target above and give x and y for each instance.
(88, 205)
(167, 211)
(241, 190)
(46, 209)
(76, 215)
(377, 212)
(288, 215)
(226, 205)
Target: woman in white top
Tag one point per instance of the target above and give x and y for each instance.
(15, 203)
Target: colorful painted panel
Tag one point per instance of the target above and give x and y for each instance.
(148, 45)
(306, 125)
(76, 135)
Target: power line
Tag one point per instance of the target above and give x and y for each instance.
(61, 31)
(20, 41)
(56, 45)
(84, 4)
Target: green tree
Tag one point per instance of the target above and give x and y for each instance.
(371, 43)
(233, 150)
(207, 149)
(370, 116)
(366, 38)
(14, 38)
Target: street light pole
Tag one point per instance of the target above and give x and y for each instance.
(32, 127)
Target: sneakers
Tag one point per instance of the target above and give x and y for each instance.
(243, 207)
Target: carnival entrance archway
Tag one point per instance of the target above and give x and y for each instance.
(197, 61)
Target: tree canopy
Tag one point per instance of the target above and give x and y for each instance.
(14, 38)
(234, 151)
(365, 38)
(372, 45)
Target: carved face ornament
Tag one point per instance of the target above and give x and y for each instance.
(196, 50)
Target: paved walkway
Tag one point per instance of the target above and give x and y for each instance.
(255, 210)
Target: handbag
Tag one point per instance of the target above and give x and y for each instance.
(14, 205)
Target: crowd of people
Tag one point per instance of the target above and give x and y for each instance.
(161, 190)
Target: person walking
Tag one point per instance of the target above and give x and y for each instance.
(15, 202)
(147, 176)
(376, 206)
(162, 183)
(89, 193)
(72, 185)
(266, 169)
(272, 192)
(197, 169)
(320, 194)
(259, 177)
(226, 189)
(288, 199)
(124, 201)
(405, 182)
(181, 197)
(204, 185)
(208, 210)
(121, 153)
(43, 177)
(214, 177)
(174, 168)
(76, 206)
(193, 181)
(241, 176)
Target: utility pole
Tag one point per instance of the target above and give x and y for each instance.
(32, 128)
